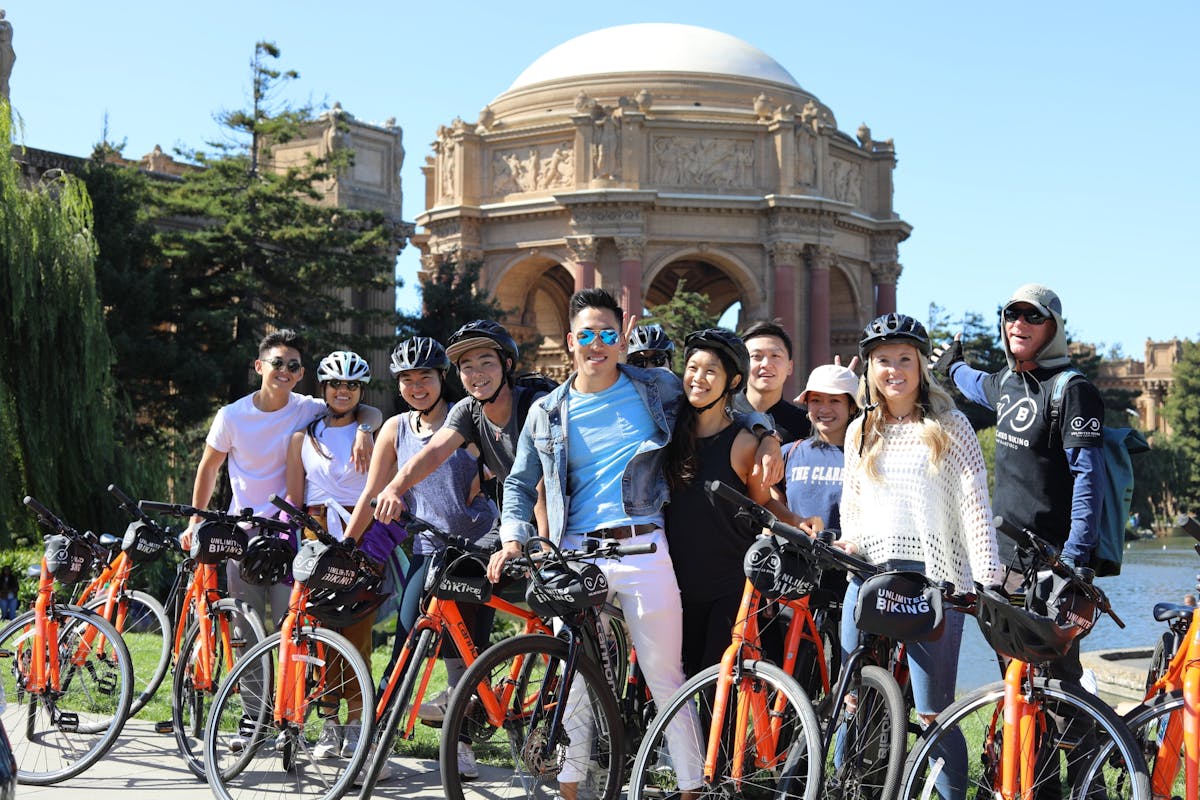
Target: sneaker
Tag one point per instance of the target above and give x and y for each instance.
(434, 708)
(238, 743)
(329, 744)
(468, 767)
(386, 772)
(350, 732)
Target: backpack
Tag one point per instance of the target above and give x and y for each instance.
(1119, 445)
(539, 384)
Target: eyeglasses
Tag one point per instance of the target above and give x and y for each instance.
(351, 385)
(279, 363)
(608, 336)
(647, 361)
(1031, 315)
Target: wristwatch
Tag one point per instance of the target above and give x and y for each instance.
(365, 428)
(763, 433)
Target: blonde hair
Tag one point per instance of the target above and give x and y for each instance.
(933, 402)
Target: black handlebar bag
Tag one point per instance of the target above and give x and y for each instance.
(214, 542)
(900, 605)
(67, 559)
(143, 542)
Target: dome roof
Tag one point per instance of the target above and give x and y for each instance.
(653, 47)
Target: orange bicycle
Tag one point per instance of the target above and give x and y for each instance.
(1030, 735)
(1167, 723)
(65, 670)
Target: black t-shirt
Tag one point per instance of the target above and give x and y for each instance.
(791, 421)
(1034, 484)
(497, 445)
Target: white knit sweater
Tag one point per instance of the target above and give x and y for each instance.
(940, 517)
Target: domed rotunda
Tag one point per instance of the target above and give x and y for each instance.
(640, 156)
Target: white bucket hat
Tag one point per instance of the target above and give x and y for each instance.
(830, 379)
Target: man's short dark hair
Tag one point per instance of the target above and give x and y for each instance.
(284, 337)
(764, 328)
(594, 298)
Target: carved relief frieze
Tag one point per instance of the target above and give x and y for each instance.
(845, 181)
(702, 162)
(533, 168)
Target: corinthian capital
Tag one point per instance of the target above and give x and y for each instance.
(788, 253)
(886, 272)
(630, 247)
(583, 249)
(821, 257)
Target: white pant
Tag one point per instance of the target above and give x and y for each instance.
(647, 592)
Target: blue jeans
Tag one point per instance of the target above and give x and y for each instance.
(932, 671)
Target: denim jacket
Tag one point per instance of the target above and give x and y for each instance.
(542, 454)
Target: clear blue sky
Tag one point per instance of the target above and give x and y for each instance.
(1048, 142)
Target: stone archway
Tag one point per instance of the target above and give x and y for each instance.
(724, 281)
(845, 327)
(536, 291)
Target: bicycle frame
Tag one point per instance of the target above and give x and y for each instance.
(291, 690)
(1183, 727)
(201, 592)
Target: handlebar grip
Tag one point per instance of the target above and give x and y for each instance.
(175, 509)
(122, 498)
(1010, 530)
(284, 505)
(729, 493)
(42, 511)
(637, 549)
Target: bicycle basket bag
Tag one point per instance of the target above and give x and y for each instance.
(67, 559)
(560, 589)
(143, 542)
(779, 571)
(900, 605)
(465, 580)
(215, 542)
(325, 568)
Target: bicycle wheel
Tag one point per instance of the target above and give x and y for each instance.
(56, 735)
(146, 630)
(248, 756)
(526, 755)
(1149, 724)
(1164, 649)
(790, 769)
(866, 758)
(189, 698)
(399, 705)
(1082, 749)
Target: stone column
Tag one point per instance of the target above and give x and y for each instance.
(583, 253)
(884, 277)
(820, 260)
(630, 250)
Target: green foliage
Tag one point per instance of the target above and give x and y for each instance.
(20, 559)
(1182, 411)
(981, 348)
(684, 313)
(1164, 485)
(1118, 402)
(450, 298)
(56, 390)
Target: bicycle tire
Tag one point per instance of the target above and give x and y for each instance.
(47, 746)
(1102, 756)
(512, 759)
(1148, 724)
(401, 701)
(793, 772)
(247, 757)
(188, 704)
(1164, 650)
(866, 757)
(147, 633)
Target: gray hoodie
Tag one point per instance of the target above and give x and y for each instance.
(1054, 354)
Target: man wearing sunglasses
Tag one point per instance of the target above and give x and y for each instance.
(1050, 474)
(650, 347)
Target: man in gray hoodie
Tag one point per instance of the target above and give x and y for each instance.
(1050, 474)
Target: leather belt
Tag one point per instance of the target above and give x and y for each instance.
(622, 531)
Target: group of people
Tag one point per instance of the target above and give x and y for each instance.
(622, 449)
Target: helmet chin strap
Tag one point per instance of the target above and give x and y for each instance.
(507, 380)
(423, 413)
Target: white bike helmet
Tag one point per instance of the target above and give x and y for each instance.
(343, 365)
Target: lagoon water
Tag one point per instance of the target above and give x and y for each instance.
(1154, 571)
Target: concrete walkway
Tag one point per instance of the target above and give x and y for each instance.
(145, 765)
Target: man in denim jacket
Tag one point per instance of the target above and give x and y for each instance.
(598, 441)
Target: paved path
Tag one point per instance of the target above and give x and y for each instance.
(145, 765)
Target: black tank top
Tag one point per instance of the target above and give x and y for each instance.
(707, 547)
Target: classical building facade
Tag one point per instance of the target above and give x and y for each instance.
(1150, 381)
(638, 157)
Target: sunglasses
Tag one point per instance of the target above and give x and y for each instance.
(279, 363)
(644, 361)
(351, 385)
(608, 336)
(1031, 315)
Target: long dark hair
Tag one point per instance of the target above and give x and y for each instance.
(682, 464)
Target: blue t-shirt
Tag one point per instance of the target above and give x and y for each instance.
(604, 431)
(814, 481)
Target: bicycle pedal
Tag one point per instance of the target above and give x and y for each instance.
(68, 722)
(107, 684)
(164, 726)
(432, 723)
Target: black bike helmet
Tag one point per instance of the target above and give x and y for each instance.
(266, 560)
(650, 337)
(1028, 635)
(732, 350)
(483, 333)
(893, 328)
(779, 571)
(419, 352)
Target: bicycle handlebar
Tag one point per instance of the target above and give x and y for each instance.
(183, 510)
(304, 518)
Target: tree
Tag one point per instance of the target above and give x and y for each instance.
(450, 298)
(56, 390)
(684, 313)
(1182, 411)
(251, 248)
(981, 348)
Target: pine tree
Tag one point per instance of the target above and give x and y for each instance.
(684, 313)
(981, 348)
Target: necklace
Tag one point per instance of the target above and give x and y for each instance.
(900, 418)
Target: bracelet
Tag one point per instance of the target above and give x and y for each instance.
(769, 432)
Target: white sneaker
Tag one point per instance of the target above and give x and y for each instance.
(386, 772)
(329, 744)
(434, 708)
(351, 731)
(468, 767)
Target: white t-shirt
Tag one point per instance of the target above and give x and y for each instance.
(331, 478)
(257, 443)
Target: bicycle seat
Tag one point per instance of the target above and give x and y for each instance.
(1168, 611)
(108, 541)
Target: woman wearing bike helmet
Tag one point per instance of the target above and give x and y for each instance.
(707, 546)
(448, 497)
(322, 478)
(915, 497)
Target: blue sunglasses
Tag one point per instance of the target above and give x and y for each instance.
(608, 336)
